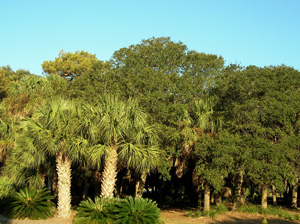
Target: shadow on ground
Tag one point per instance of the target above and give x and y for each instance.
(4, 219)
(254, 221)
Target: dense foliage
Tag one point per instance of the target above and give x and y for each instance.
(31, 203)
(157, 120)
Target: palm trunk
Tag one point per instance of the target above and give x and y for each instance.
(264, 197)
(212, 199)
(237, 190)
(295, 193)
(218, 199)
(54, 183)
(86, 188)
(125, 183)
(199, 202)
(140, 184)
(274, 195)
(97, 183)
(63, 167)
(49, 184)
(110, 173)
(206, 197)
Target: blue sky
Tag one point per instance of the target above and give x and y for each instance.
(256, 32)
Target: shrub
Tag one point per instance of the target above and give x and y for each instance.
(221, 209)
(137, 210)
(31, 203)
(93, 212)
(6, 186)
(109, 210)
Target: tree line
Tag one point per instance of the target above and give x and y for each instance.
(157, 120)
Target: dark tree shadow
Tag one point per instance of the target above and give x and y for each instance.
(5, 220)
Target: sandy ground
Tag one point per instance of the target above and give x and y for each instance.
(179, 217)
(174, 217)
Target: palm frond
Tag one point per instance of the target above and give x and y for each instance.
(137, 210)
(97, 154)
(32, 204)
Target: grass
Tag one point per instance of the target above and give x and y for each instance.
(213, 212)
(271, 210)
(248, 208)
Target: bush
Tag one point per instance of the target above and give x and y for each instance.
(6, 186)
(221, 209)
(108, 210)
(99, 211)
(31, 203)
(137, 210)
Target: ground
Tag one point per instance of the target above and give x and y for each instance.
(175, 216)
(179, 217)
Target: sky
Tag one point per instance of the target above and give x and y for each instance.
(256, 32)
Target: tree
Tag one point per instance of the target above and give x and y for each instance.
(7, 135)
(99, 79)
(25, 94)
(267, 165)
(8, 76)
(261, 104)
(289, 146)
(192, 125)
(213, 163)
(178, 76)
(126, 138)
(53, 130)
(71, 65)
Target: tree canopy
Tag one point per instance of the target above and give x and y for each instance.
(157, 120)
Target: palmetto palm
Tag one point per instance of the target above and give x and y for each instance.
(53, 130)
(191, 126)
(7, 136)
(126, 139)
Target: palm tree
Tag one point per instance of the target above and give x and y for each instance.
(53, 129)
(124, 138)
(6, 133)
(191, 127)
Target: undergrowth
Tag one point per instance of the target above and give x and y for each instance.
(124, 211)
(249, 208)
(213, 212)
(271, 210)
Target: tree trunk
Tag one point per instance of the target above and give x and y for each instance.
(140, 184)
(49, 184)
(212, 198)
(264, 197)
(86, 188)
(237, 190)
(218, 199)
(54, 183)
(110, 173)
(97, 183)
(274, 195)
(181, 162)
(206, 197)
(295, 193)
(63, 167)
(199, 203)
